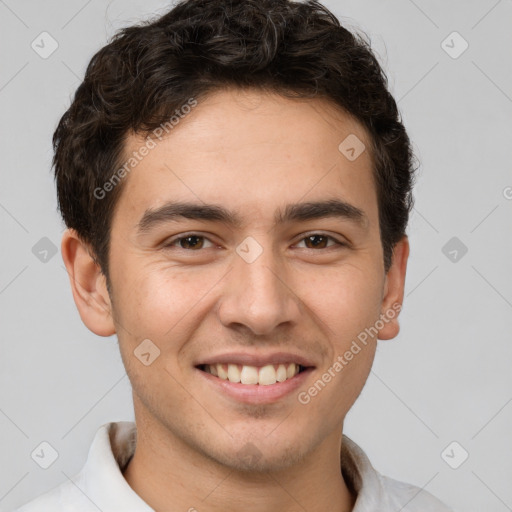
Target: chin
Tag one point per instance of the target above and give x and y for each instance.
(258, 456)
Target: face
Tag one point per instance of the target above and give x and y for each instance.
(246, 243)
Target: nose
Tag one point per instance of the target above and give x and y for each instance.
(258, 295)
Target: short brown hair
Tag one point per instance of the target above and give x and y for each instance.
(137, 81)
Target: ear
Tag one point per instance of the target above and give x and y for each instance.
(88, 285)
(394, 291)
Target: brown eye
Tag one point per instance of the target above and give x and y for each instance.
(319, 241)
(189, 242)
(316, 241)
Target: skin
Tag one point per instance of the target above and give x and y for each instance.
(251, 152)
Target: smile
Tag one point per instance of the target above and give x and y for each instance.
(245, 374)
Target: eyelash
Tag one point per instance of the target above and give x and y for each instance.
(171, 243)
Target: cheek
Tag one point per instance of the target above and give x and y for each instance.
(347, 300)
(158, 302)
(159, 305)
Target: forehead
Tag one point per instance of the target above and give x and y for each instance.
(254, 152)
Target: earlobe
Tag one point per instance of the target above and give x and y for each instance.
(88, 285)
(394, 291)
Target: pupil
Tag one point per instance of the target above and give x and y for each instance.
(316, 244)
(186, 242)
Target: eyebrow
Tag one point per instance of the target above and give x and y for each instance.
(175, 211)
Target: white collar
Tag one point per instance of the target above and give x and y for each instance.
(101, 484)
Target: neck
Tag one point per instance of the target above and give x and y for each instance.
(164, 471)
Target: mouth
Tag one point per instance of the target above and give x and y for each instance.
(255, 378)
(266, 375)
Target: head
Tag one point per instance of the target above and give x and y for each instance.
(237, 111)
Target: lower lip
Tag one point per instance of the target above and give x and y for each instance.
(256, 393)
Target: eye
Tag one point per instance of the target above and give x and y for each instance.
(319, 241)
(192, 242)
(196, 242)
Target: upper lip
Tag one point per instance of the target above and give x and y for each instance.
(246, 359)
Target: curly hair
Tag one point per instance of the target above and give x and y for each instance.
(146, 72)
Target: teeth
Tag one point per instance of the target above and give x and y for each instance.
(249, 375)
(221, 373)
(267, 375)
(233, 373)
(264, 376)
(281, 373)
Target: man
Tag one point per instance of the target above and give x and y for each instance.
(236, 183)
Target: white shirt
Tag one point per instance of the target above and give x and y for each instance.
(100, 485)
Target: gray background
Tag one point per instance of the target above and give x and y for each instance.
(447, 377)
